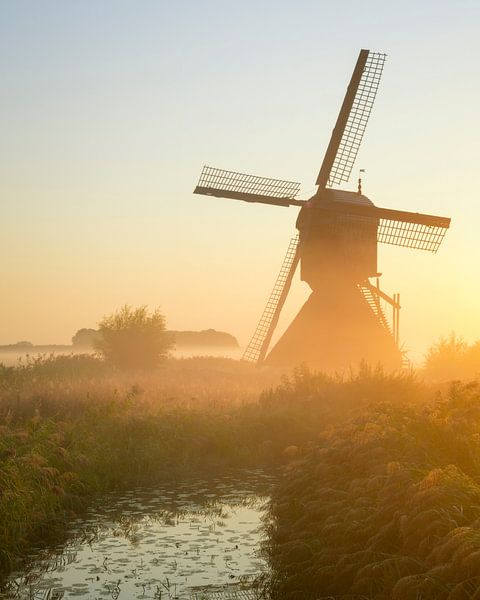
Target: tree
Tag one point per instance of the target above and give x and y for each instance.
(23, 344)
(86, 338)
(133, 338)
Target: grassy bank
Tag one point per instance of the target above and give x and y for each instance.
(71, 427)
(386, 506)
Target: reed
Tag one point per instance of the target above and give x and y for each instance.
(71, 427)
(386, 505)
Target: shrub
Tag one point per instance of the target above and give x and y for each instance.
(133, 338)
(452, 358)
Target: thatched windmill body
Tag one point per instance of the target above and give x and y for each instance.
(343, 321)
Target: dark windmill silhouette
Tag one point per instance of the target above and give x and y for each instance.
(343, 320)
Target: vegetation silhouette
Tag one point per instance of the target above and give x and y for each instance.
(133, 338)
(72, 430)
(381, 489)
(85, 338)
(385, 505)
(452, 358)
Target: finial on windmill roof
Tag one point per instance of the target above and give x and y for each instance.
(360, 181)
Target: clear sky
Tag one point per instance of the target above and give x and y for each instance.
(110, 108)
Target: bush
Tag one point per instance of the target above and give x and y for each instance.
(452, 358)
(133, 338)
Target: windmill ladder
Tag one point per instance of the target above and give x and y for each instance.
(372, 296)
(374, 303)
(258, 346)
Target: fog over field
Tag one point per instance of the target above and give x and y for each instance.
(15, 357)
(239, 309)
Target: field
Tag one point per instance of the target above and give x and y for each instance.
(380, 496)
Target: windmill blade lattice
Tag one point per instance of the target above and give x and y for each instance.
(395, 227)
(258, 346)
(250, 188)
(407, 234)
(357, 119)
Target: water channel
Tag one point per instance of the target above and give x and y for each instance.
(177, 541)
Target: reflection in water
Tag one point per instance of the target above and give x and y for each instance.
(164, 542)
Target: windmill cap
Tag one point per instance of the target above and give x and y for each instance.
(330, 195)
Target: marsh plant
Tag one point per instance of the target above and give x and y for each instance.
(381, 469)
(386, 506)
(68, 435)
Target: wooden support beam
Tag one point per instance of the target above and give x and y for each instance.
(383, 295)
(246, 197)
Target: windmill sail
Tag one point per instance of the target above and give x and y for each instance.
(419, 235)
(343, 321)
(249, 188)
(397, 227)
(258, 346)
(352, 119)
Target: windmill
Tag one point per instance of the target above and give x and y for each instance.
(344, 320)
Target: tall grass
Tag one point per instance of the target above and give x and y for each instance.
(384, 506)
(72, 427)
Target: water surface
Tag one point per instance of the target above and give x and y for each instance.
(160, 542)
